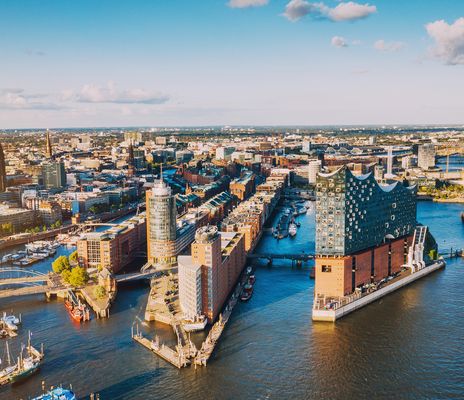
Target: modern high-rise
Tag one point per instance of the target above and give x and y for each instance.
(363, 231)
(314, 168)
(161, 224)
(2, 170)
(207, 277)
(54, 175)
(426, 156)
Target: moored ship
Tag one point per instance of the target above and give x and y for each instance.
(58, 393)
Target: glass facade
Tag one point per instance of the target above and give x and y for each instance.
(354, 213)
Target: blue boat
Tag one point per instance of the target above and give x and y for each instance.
(57, 394)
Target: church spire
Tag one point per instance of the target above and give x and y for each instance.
(2, 170)
(48, 145)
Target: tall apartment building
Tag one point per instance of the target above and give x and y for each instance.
(114, 248)
(224, 153)
(207, 277)
(363, 231)
(426, 156)
(54, 175)
(314, 167)
(161, 224)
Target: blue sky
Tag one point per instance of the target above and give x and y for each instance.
(230, 62)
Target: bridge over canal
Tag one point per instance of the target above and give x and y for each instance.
(22, 282)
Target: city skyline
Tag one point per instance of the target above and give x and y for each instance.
(237, 62)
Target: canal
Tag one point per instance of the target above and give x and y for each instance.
(408, 345)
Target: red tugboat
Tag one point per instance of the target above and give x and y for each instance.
(78, 312)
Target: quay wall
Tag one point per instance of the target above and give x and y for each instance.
(333, 315)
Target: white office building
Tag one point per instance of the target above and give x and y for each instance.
(426, 156)
(314, 168)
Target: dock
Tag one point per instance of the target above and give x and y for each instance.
(208, 346)
(101, 307)
(176, 358)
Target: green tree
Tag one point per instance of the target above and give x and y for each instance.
(73, 257)
(78, 277)
(65, 274)
(61, 264)
(99, 292)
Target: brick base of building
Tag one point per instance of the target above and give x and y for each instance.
(340, 276)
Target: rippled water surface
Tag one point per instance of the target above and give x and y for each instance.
(409, 345)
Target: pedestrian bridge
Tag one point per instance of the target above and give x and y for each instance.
(285, 256)
(136, 276)
(22, 282)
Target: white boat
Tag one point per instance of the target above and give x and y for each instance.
(7, 258)
(249, 270)
(292, 229)
(11, 318)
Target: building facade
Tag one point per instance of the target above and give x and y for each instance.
(314, 167)
(54, 175)
(207, 277)
(426, 156)
(114, 248)
(161, 224)
(244, 186)
(363, 230)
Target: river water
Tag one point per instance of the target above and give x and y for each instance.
(406, 346)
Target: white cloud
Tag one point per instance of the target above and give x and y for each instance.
(382, 45)
(17, 99)
(297, 9)
(247, 3)
(345, 11)
(449, 41)
(91, 93)
(338, 41)
(351, 11)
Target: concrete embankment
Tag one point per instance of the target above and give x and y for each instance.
(6, 243)
(333, 315)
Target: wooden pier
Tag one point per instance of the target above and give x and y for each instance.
(176, 358)
(207, 348)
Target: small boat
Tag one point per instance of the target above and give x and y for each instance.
(292, 230)
(252, 280)
(9, 325)
(26, 368)
(11, 319)
(6, 372)
(77, 312)
(68, 305)
(7, 258)
(247, 292)
(58, 393)
(249, 270)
